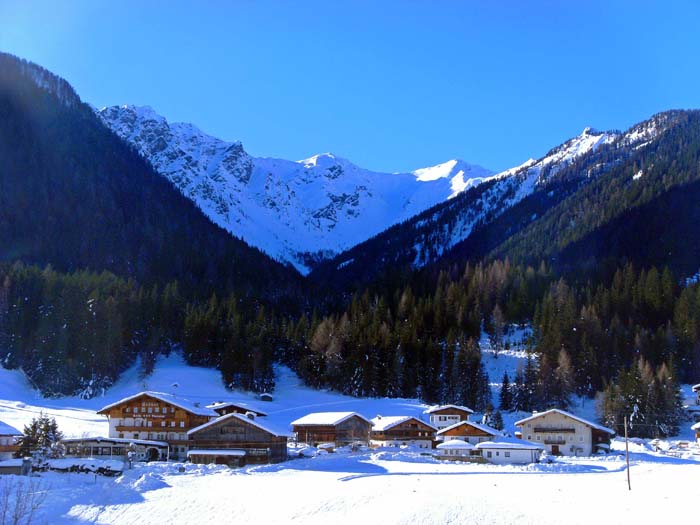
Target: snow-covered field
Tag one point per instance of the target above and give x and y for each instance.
(381, 486)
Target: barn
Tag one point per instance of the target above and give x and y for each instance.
(236, 440)
(339, 428)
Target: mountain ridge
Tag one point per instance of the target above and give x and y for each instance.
(296, 211)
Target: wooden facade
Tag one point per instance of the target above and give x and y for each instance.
(343, 430)
(225, 408)
(8, 441)
(156, 416)
(468, 431)
(402, 431)
(236, 440)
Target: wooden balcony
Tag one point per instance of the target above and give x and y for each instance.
(9, 448)
(556, 441)
(555, 430)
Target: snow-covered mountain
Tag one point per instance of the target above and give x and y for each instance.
(453, 225)
(298, 212)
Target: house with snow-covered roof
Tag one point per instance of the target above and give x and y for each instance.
(156, 416)
(397, 431)
(506, 450)
(468, 431)
(339, 428)
(696, 428)
(455, 449)
(235, 407)
(8, 441)
(236, 440)
(445, 415)
(563, 433)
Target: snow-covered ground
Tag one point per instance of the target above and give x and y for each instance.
(384, 486)
(371, 486)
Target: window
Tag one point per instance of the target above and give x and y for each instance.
(172, 423)
(506, 454)
(172, 410)
(580, 438)
(150, 410)
(121, 436)
(498, 453)
(182, 424)
(136, 410)
(127, 409)
(539, 438)
(488, 454)
(162, 423)
(136, 435)
(150, 423)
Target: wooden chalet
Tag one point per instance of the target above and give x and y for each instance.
(236, 440)
(468, 431)
(445, 415)
(224, 408)
(8, 441)
(156, 416)
(339, 428)
(397, 431)
(696, 428)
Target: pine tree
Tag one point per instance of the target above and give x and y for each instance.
(506, 399)
(497, 420)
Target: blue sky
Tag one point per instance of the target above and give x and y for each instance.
(390, 85)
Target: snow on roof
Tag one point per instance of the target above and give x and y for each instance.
(179, 402)
(241, 417)
(216, 452)
(695, 388)
(696, 426)
(444, 407)
(7, 430)
(483, 428)
(100, 439)
(504, 442)
(455, 444)
(381, 423)
(237, 404)
(567, 414)
(326, 418)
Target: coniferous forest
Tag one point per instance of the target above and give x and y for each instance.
(104, 262)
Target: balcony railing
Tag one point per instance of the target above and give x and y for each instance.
(555, 430)
(554, 442)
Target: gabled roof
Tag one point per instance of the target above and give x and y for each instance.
(567, 414)
(446, 407)
(455, 444)
(508, 443)
(484, 428)
(243, 406)
(179, 402)
(240, 417)
(326, 418)
(381, 423)
(8, 430)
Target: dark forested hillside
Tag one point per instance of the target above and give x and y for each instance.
(74, 195)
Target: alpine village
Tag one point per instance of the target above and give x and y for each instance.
(185, 323)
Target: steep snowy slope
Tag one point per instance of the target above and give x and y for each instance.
(295, 211)
(475, 222)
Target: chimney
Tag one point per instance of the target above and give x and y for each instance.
(250, 415)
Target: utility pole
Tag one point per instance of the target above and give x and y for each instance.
(627, 455)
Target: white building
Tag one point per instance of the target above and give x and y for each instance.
(563, 433)
(505, 450)
(454, 448)
(445, 415)
(397, 431)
